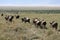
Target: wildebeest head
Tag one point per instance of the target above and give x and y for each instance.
(6, 17)
(2, 14)
(23, 19)
(17, 16)
(52, 22)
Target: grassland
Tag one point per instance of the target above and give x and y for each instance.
(26, 31)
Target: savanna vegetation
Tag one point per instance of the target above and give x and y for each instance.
(17, 30)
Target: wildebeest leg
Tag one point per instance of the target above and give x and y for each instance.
(29, 21)
(36, 25)
(45, 27)
(22, 20)
(10, 20)
(25, 21)
(41, 27)
(56, 28)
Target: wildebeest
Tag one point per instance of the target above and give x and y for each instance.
(17, 16)
(35, 20)
(25, 19)
(54, 24)
(9, 18)
(43, 24)
(40, 23)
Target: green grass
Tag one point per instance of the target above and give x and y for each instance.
(28, 31)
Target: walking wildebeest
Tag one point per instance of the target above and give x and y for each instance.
(40, 23)
(54, 24)
(37, 22)
(43, 24)
(17, 16)
(26, 19)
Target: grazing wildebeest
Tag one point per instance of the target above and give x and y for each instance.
(26, 19)
(2, 14)
(9, 18)
(54, 24)
(17, 16)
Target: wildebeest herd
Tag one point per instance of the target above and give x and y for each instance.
(37, 22)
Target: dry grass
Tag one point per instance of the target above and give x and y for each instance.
(28, 31)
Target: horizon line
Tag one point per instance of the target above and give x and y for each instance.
(29, 5)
